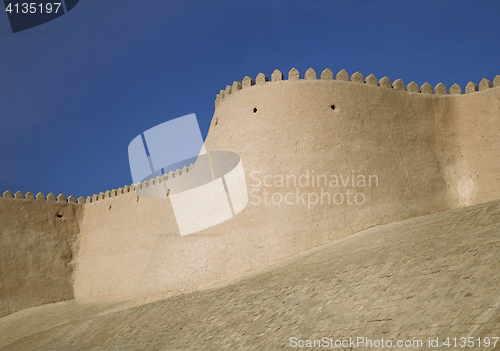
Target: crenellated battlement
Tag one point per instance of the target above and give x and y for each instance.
(261, 79)
(165, 178)
(357, 77)
(102, 195)
(29, 196)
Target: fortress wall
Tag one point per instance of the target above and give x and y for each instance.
(473, 173)
(405, 137)
(118, 235)
(416, 141)
(38, 244)
(372, 131)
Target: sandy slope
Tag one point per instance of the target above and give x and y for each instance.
(432, 276)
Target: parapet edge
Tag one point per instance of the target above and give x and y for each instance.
(356, 78)
(29, 196)
(140, 185)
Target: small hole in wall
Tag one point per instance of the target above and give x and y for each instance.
(216, 121)
(109, 207)
(332, 107)
(59, 215)
(254, 110)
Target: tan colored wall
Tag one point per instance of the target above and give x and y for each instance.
(423, 147)
(38, 244)
(118, 236)
(473, 147)
(408, 139)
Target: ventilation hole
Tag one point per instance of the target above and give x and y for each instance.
(59, 216)
(254, 110)
(332, 107)
(109, 207)
(216, 121)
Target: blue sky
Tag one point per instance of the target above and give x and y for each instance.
(75, 91)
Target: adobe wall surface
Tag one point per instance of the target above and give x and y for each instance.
(118, 235)
(430, 151)
(417, 143)
(471, 161)
(38, 245)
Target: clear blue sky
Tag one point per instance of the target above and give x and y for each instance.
(75, 91)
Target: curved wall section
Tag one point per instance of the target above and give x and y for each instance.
(322, 159)
(403, 142)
